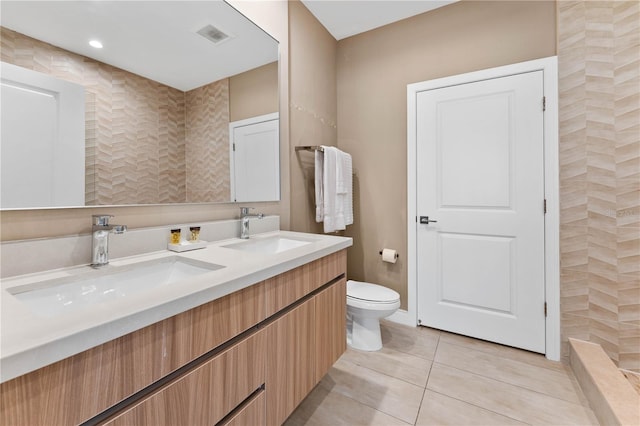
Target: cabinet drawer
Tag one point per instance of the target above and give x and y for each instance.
(284, 289)
(252, 414)
(199, 330)
(208, 393)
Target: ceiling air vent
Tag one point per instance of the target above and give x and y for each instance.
(214, 35)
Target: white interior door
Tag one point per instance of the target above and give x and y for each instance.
(480, 175)
(255, 165)
(42, 140)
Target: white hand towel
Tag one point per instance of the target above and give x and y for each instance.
(344, 200)
(337, 189)
(319, 183)
(341, 173)
(329, 188)
(347, 190)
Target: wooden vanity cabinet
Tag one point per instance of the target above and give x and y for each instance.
(301, 347)
(205, 395)
(248, 358)
(75, 389)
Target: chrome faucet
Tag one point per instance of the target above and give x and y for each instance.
(245, 216)
(100, 238)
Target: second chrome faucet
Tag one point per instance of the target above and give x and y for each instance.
(245, 216)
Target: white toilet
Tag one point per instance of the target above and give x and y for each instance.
(366, 305)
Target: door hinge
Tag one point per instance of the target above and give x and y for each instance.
(545, 309)
(234, 147)
(544, 103)
(545, 206)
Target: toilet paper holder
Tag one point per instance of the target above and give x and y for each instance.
(396, 256)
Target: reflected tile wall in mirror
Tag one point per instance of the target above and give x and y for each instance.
(146, 143)
(135, 127)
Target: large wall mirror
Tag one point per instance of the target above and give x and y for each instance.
(178, 105)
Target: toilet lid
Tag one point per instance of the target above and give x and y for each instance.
(371, 292)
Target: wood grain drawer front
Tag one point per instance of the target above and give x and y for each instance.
(196, 332)
(286, 288)
(252, 414)
(330, 326)
(208, 393)
(77, 388)
(290, 361)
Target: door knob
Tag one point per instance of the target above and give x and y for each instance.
(426, 220)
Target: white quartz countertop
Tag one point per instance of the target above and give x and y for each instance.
(30, 340)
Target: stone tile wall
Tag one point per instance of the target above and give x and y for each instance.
(599, 81)
(146, 143)
(134, 126)
(207, 143)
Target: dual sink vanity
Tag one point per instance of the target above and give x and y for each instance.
(236, 333)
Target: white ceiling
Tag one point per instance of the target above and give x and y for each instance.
(155, 39)
(344, 18)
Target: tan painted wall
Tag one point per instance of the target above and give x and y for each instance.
(374, 69)
(313, 107)
(254, 92)
(272, 16)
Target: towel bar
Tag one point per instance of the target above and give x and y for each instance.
(310, 148)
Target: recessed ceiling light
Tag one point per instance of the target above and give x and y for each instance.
(96, 44)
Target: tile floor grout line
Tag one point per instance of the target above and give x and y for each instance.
(374, 408)
(564, 376)
(478, 406)
(388, 375)
(510, 384)
(486, 351)
(424, 391)
(572, 381)
(412, 354)
(435, 354)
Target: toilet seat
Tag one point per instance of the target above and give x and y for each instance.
(366, 305)
(372, 294)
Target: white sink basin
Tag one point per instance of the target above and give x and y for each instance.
(270, 245)
(68, 294)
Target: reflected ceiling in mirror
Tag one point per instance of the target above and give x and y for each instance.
(159, 95)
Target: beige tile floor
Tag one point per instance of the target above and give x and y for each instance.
(429, 377)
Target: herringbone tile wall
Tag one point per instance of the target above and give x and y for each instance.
(136, 129)
(599, 81)
(207, 143)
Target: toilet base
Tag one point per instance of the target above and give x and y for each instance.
(364, 333)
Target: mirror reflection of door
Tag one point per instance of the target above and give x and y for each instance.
(42, 138)
(255, 159)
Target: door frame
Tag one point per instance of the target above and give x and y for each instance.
(549, 66)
